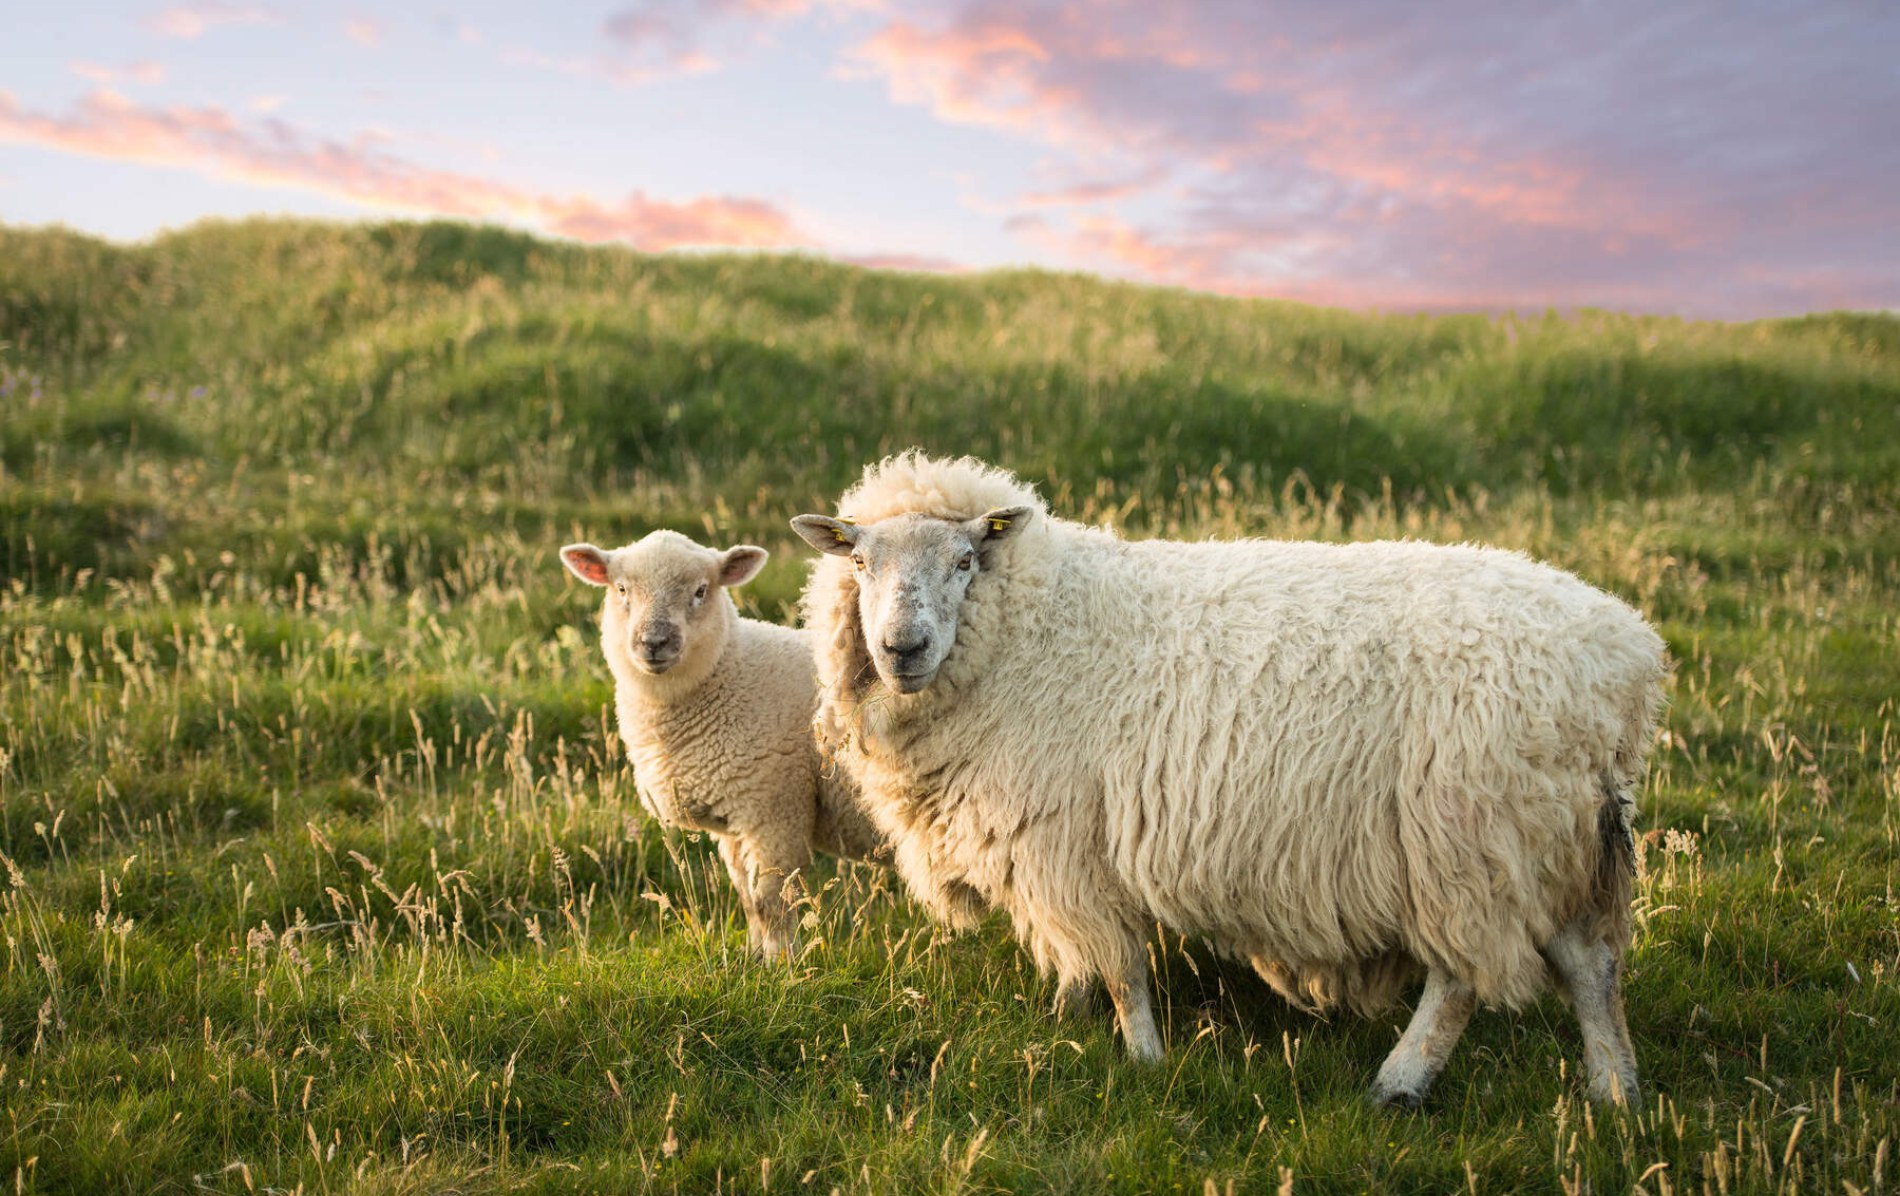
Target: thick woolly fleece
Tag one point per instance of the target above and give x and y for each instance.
(1341, 762)
(722, 743)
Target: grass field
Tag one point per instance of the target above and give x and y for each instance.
(324, 872)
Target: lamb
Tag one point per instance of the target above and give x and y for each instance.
(716, 712)
(1345, 764)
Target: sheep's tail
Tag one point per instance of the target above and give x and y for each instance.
(1615, 882)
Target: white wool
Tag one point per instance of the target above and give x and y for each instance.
(1341, 762)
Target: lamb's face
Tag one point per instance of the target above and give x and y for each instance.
(662, 593)
(913, 573)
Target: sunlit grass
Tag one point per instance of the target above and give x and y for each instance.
(322, 867)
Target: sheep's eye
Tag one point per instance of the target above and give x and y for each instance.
(857, 560)
(621, 586)
(965, 561)
(699, 595)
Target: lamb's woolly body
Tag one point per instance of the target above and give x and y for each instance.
(723, 743)
(733, 753)
(1339, 761)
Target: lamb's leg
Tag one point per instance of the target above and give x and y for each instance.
(1591, 972)
(742, 885)
(1437, 1023)
(774, 869)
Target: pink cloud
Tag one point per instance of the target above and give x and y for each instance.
(145, 71)
(273, 153)
(194, 20)
(1092, 192)
(1674, 157)
(364, 31)
(1209, 260)
(982, 73)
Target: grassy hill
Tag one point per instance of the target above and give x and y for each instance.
(324, 869)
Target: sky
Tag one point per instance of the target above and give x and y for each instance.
(1725, 160)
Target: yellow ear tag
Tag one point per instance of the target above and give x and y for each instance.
(997, 525)
(837, 534)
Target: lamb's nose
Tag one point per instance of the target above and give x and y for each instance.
(655, 641)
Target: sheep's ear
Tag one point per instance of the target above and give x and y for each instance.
(826, 534)
(740, 565)
(586, 562)
(996, 526)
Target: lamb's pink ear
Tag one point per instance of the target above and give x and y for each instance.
(741, 565)
(586, 562)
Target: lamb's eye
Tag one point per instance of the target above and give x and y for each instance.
(857, 561)
(621, 586)
(965, 561)
(699, 595)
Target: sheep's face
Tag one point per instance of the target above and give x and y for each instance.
(662, 594)
(913, 572)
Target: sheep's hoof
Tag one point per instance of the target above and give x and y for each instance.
(1396, 1098)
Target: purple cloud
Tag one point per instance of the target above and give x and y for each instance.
(646, 40)
(1697, 157)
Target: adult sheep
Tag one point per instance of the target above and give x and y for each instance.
(1345, 763)
(716, 713)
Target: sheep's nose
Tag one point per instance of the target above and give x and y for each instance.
(907, 643)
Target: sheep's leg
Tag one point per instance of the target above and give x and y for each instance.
(1102, 946)
(1075, 922)
(742, 884)
(1134, 1007)
(1438, 1022)
(1072, 996)
(1591, 973)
